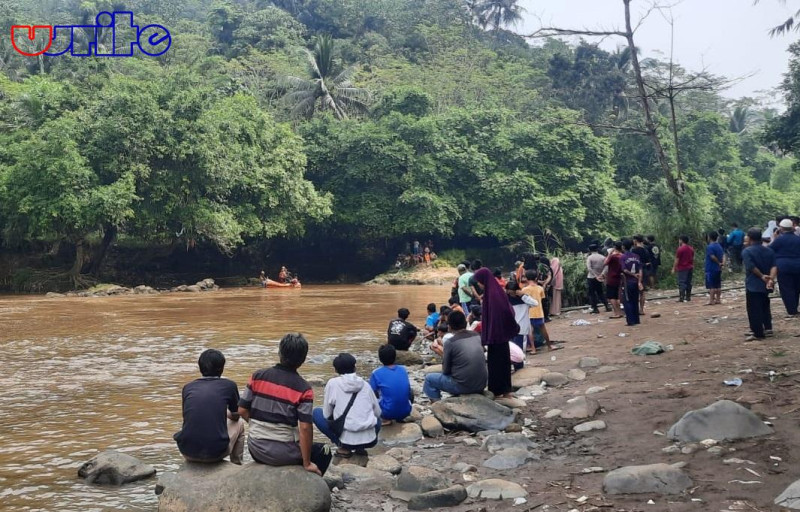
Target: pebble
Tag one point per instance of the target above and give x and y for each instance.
(671, 450)
(689, 449)
(595, 389)
(589, 426)
(469, 441)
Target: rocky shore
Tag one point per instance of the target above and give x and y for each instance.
(206, 285)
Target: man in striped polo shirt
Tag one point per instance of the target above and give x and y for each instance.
(278, 404)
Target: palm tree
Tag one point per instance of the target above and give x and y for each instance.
(786, 26)
(497, 13)
(327, 87)
(740, 119)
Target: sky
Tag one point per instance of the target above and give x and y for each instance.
(725, 37)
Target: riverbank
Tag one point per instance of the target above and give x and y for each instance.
(639, 399)
(417, 275)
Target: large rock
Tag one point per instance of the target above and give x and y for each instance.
(421, 479)
(473, 413)
(496, 489)
(720, 420)
(114, 468)
(510, 458)
(580, 408)
(207, 284)
(407, 358)
(431, 427)
(449, 497)
(790, 498)
(528, 376)
(589, 362)
(364, 479)
(400, 433)
(498, 442)
(555, 380)
(224, 487)
(385, 463)
(650, 479)
(576, 374)
(193, 288)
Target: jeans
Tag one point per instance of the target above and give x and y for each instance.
(322, 425)
(685, 284)
(435, 383)
(632, 303)
(758, 312)
(789, 284)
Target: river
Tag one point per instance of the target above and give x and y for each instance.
(81, 375)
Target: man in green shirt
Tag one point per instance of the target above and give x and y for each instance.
(464, 296)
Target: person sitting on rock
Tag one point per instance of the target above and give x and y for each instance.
(212, 428)
(350, 396)
(278, 404)
(401, 333)
(391, 385)
(463, 363)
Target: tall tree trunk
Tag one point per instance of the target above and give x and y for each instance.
(109, 235)
(650, 125)
(77, 266)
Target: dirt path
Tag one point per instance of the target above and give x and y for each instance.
(645, 396)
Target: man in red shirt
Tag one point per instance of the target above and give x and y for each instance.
(683, 266)
(614, 278)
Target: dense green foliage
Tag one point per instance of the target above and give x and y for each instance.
(366, 121)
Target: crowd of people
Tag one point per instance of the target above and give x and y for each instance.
(416, 254)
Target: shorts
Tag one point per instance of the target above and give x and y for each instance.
(612, 292)
(537, 322)
(714, 280)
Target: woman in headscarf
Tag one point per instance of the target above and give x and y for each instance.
(498, 327)
(558, 286)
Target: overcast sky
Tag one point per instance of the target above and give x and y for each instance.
(727, 37)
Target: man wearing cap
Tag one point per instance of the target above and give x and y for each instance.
(787, 258)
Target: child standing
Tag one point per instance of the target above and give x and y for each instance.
(536, 313)
(391, 386)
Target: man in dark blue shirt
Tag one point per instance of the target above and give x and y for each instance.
(212, 429)
(787, 258)
(760, 274)
(736, 244)
(715, 258)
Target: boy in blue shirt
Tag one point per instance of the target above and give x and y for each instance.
(391, 386)
(433, 319)
(715, 259)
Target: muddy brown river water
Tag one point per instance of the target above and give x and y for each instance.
(81, 375)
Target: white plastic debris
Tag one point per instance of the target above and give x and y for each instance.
(581, 322)
(651, 502)
(520, 501)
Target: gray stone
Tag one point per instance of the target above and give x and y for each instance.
(449, 497)
(672, 450)
(595, 389)
(552, 413)
(431, 427)
(589, 426)
(421, 479)
(649, 479)
(499, 442)
(385, 463)
(400, 433)
(607, 369)
(54, 295)
(225, 487)
(472, 413)
(463, 467)
(193, 289)
(689, 449)
(528, 376)
(365, 479)
(790, 498)
(334, 481)
(720, 420)
(554, 379)
(206, 284)
(511, 403)
(576, 374)
(589, 362)
(114, 468)
(716, 450)
(415, 416)
(408, 358)
(580, 407)
(400, 454)
(144, 290)
(514, 427)
(496, 489)
(509, 458)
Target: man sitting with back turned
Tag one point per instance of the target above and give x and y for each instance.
(463, 364)
(212, 429)
(278, 403)
(401, 333)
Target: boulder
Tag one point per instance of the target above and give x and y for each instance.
(54, 295)
(576, 374)
(407, 358)
(580, 408)
(650, 479)
(207, 284)
(434, 368)
(179, 288)
(555, 380)
(449, 497)
(511, 403)
(401, 454)
(415, 416)
(144, 290)
(496, 489)
(498, 442)
(595, 389)
(385, 463)
(528, 376)
(720, 420)
(225, 487)
(364, 479)
(431, 427)
(589, 426)
(510, 458)
(117, 290)
(589, 362)
(400, 433)
(790, 498)
(419, 479)
(193, 289)
(114, 468)
(473, 413)
(552, 413)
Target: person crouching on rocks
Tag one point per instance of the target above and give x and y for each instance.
(391, 386)
(350, 415)
(278, 403)
(212, 428)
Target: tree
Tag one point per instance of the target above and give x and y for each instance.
(328, 87)
(497, 13)
(740, 119)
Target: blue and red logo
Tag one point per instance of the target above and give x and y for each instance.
(112, 35)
